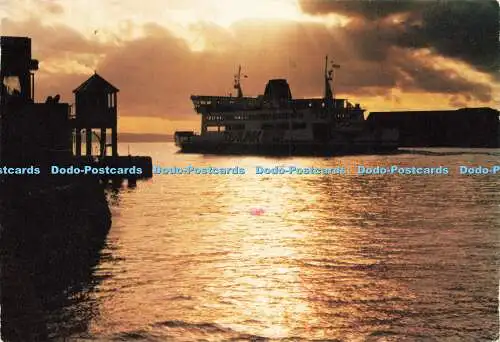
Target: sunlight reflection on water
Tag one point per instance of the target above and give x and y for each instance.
(346, 257)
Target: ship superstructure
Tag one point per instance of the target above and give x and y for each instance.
(275, 123)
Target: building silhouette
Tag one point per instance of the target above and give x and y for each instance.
(466, 127)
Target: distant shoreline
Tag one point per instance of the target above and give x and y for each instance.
(144, 137)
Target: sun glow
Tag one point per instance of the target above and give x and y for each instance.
(227, 12)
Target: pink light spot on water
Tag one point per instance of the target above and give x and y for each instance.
(257, 211)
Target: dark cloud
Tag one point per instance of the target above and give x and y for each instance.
(464, 29)
(416, 74)
(368, 9)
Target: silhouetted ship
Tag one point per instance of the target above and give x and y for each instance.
(274, 123)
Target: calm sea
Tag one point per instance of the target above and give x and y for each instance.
(325, 257)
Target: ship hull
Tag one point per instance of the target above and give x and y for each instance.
(303, 149)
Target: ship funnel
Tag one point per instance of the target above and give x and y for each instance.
(277, 90)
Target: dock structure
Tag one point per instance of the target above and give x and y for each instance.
(465, 127)
(96, 116)
(40, 134)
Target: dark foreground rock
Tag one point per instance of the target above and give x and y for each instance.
(50, 238)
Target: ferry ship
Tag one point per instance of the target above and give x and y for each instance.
(276, 124)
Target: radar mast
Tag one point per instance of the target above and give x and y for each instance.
(237, 82)
(329, 96)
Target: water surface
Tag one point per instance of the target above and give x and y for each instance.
(353, 258)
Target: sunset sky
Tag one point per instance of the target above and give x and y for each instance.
(393, 55)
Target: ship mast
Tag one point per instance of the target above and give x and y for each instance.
(237, 82)
(329, 77)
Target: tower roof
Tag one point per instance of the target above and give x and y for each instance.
(96, 83)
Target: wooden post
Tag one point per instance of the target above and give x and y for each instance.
(102, 146)
(89, 142)
(78, 142)
(114, 141)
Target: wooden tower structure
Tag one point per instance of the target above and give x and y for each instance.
(96, 109)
